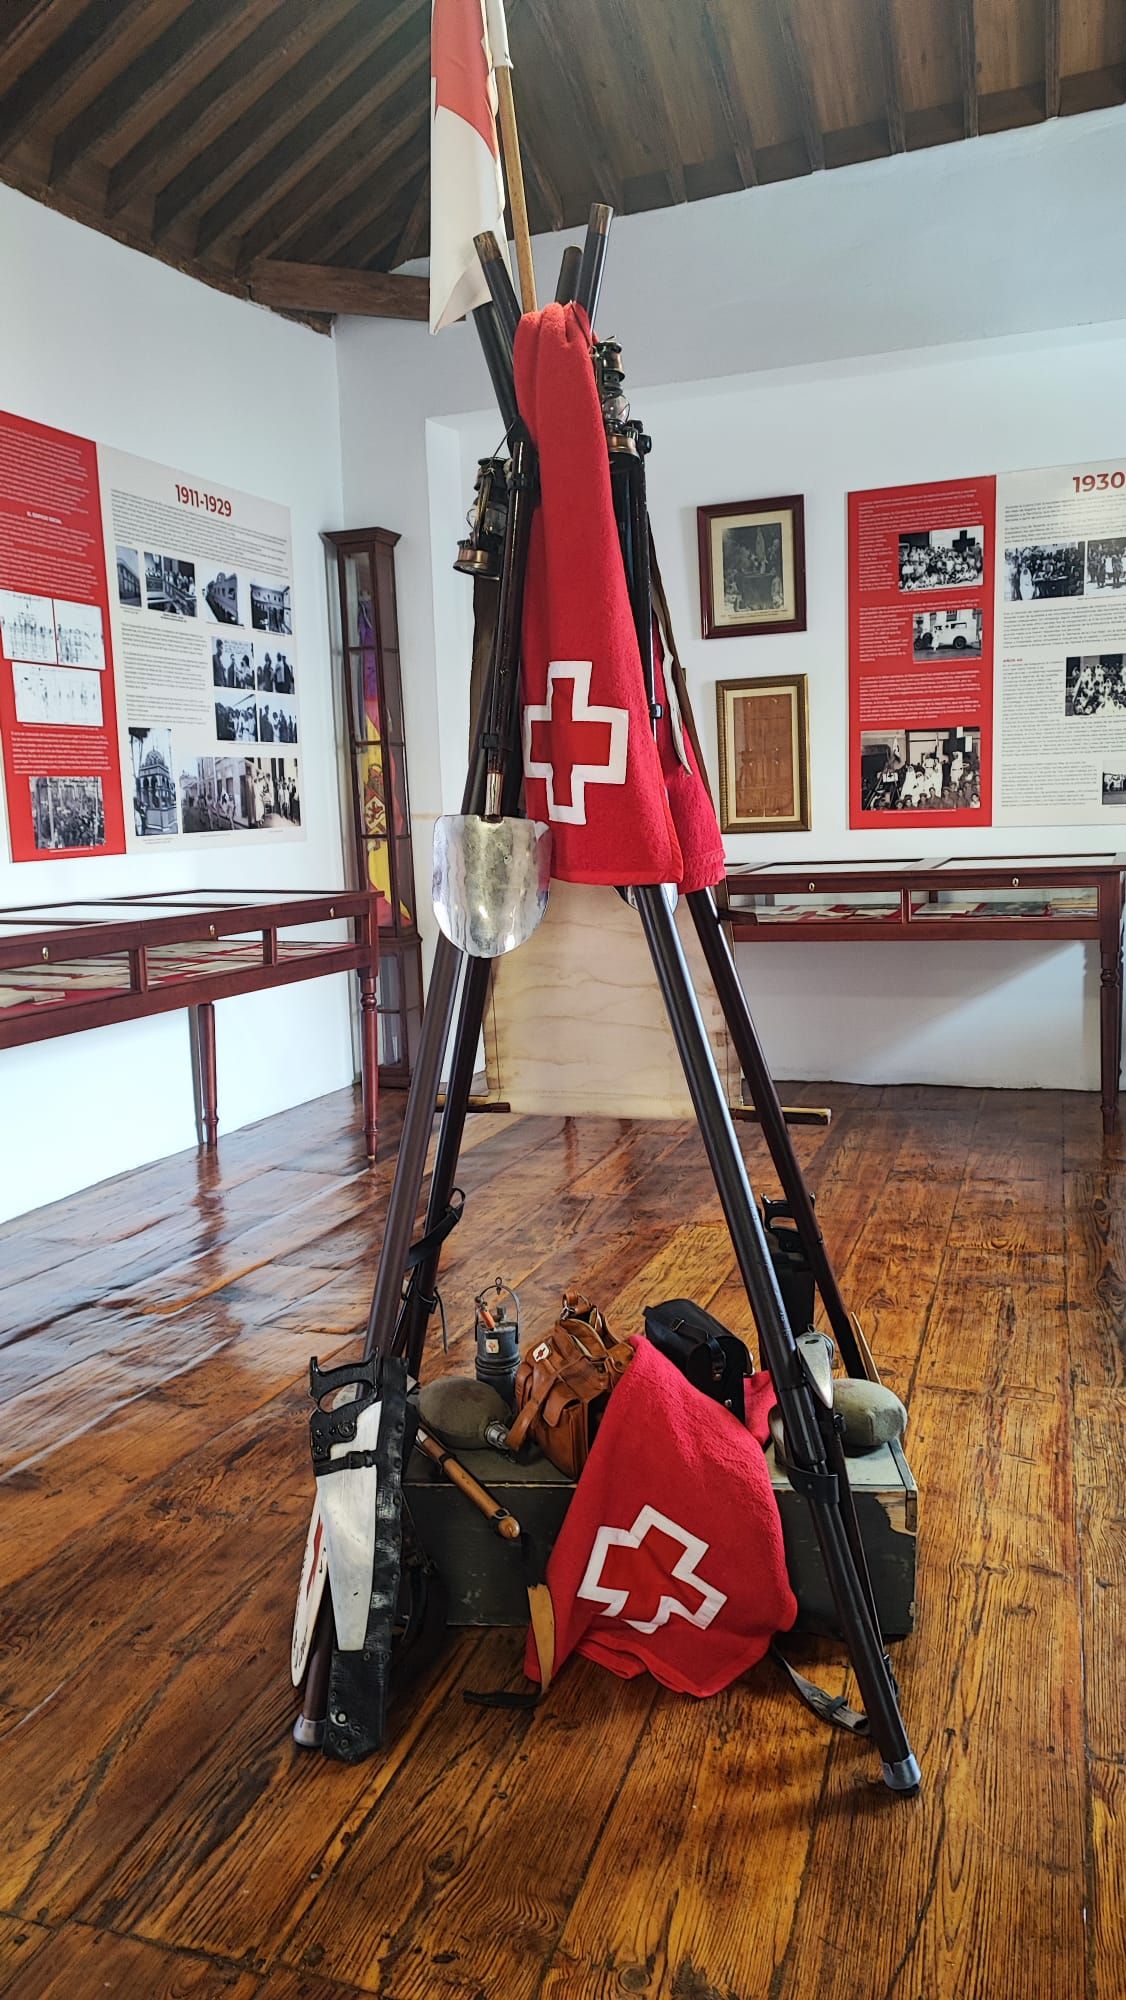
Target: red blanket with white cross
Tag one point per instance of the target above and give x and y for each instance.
(670, 1556)
(621, 810)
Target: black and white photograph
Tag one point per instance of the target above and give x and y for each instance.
(154, 790)
(219, 590)
(920, 770)
(236, 721)
(67, 813)
(954, 631)
(1093, 684)
(170, 585)
(941, 558)
(27, 626)
(277, 719)
(1043, 569)
(129, 578)
(215, 795)
(276, 790)
(270, 608)
(1106, 565)
(79, 638)
(275, 672)
(1114, 788)
(232, 663)
(57, 697)
(752, 567)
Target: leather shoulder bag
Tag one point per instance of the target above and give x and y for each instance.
(563, 1384)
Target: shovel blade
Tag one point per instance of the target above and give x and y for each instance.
(490, 881)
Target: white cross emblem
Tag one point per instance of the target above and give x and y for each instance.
(684, 1570)
(612, 772)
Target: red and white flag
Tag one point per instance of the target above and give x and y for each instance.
(466, 187)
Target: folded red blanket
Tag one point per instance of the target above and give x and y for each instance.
(670, 1558)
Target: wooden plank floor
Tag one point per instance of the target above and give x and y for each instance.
(160, 1835)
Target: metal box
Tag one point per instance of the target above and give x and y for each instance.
(482, 1572)
(485, 1582)
(887, 1506)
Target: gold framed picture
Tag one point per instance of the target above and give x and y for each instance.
(764, 754)
(752, 567)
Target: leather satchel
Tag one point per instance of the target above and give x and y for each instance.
(563, 1384)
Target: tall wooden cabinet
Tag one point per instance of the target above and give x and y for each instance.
(366, 645)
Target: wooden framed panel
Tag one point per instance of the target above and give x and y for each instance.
(763, 729)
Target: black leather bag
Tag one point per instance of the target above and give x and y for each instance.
(713, 1360)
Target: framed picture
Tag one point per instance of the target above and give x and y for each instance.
(752, 567)
(763, 754)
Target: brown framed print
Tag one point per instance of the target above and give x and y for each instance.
(752, 567)
(764, 754)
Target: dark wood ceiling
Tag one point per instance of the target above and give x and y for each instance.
(256, 142)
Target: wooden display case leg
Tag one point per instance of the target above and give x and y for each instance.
(1110, 1008)
(207, 1080)
(369, 1061)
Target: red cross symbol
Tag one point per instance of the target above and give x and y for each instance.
(614, 1601)
(578, 730)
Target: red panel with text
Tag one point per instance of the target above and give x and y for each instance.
(920, 632)
(58, 720)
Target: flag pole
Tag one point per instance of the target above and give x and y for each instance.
(510, 145)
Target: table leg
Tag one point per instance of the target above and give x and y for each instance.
(207, 1073)
(1110, 1004)
(369, 1060)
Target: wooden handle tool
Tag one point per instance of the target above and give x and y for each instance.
(505, 1523)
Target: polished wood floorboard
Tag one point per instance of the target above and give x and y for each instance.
(162, 1839)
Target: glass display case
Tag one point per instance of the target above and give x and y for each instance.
(1038, 898)
(366, 644)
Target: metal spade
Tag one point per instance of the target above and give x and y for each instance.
(492, 868)
(491, 880)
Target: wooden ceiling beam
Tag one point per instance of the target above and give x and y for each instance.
(371, 146)
(724, 75)
(24, 38)
(290, 108)
(574, 108)
(326, 288)
(893, 84)
(1093, 89)
(413, 235)
(545, 203)
(316, 137)
(373, 247)
(548, 197)
(184, 133)
(801, 84)
(331, 235)
(967, 67)
(1051, 58)
(649, 107)
(25, 105)
(206, 26)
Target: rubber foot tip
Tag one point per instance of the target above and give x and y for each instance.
(904, 1777)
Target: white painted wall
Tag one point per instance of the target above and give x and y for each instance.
(898, 320)
(99, 340)
(952, 312)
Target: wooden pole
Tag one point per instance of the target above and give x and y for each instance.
(510, 147)
(514, 174)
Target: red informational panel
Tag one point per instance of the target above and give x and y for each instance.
(58, 719)
(920, 623)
